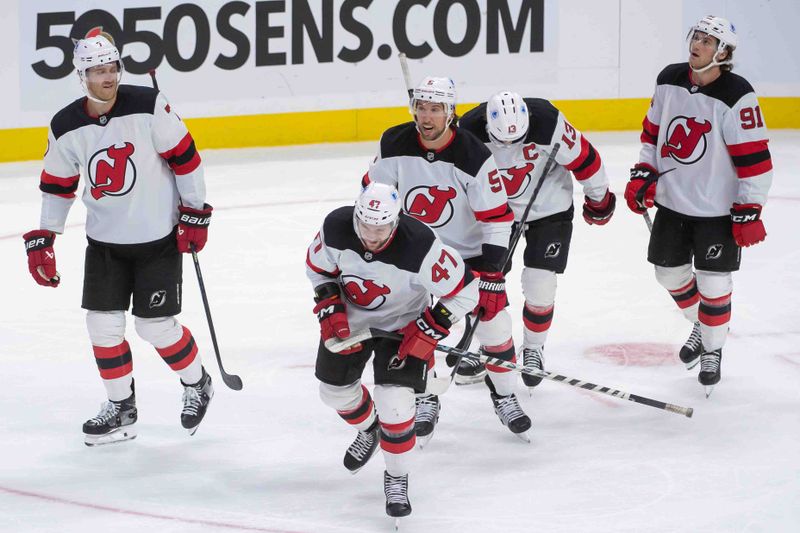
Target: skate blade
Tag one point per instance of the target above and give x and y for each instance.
(397, 524)
(709, 389)
(118, 435)
(523, 436)
(691, 364)
(423, 441)
(469, 380)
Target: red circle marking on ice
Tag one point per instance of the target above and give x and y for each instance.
(634, 354)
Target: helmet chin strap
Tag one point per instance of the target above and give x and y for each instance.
(713, 63)
(94, 98)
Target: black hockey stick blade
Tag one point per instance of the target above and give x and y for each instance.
(231, 380)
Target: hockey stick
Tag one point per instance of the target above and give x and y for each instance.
(466, 339)
(406, 74)
(372, 333)
(231, 380)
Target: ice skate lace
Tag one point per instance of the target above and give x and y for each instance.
(108, 410)
(427, 408)
(396, 489)
(191, 401)
(508, 408)
(533, 358)
(709, 362)
(695, 338)
(362, 445)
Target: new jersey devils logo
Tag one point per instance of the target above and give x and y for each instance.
(686, 139)
(111, 171)
(517, 179)
(364, 292)
(430, 204)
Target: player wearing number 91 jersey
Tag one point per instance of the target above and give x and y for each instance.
(372, 266)
(705, 164)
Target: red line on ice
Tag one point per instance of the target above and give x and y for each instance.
(96, 507)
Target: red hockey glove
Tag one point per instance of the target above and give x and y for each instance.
(599, 212)
(332, 314)
(41, 257)
(492, 294)
(420, 337)
(747, 226)
(193, 228)
(640, 192)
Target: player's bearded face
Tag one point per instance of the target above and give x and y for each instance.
(431, 119)
(374, 237)
(102, 81)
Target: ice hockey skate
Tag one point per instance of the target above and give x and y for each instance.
(469, 371)
(692, 348)
(196, 398)
(396, 490)
(710, 370)
(427, 416)
(362, 449)
(510, 413)
(114, 423)
(532, 358)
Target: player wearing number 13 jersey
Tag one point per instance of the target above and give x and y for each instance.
(373, 266)
(521, 133)
(705, 164)
(145, 200)
(449, 180)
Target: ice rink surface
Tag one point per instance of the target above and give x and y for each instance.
(268, 458)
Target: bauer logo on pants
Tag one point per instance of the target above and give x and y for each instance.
(552, 251)
(158, 298)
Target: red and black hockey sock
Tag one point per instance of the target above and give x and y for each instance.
(398, 438)
(504, 351)
(181, 354)
(537, 320)
(364, 414)
(113, 361)
(687, 295)
(714, 315)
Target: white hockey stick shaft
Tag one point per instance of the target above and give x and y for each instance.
(435, 384)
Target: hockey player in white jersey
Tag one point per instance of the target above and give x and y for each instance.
(520, 134)
(449, 180)
(372, 266)
(705, 165)
(145, 198)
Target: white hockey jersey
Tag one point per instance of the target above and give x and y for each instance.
(455, 190)
(709, 143)
(389, 289)
(138, 160)
(521, 164)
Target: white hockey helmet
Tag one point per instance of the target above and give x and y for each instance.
(724, 32)
(377, 208)
(97, 48)
(506, 118)
(440, 90)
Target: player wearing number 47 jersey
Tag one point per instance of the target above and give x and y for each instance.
(521, 134)
(706, 166)
(145, 198)
(372, 266)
